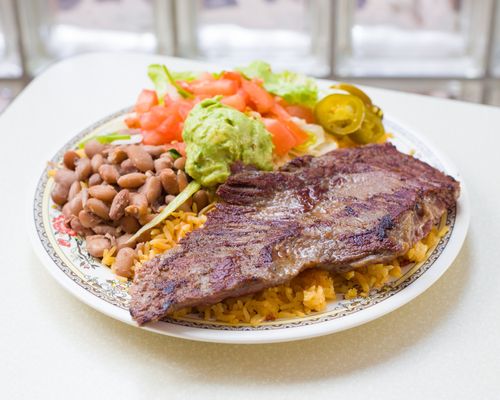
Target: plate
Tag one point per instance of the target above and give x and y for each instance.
(65, 257)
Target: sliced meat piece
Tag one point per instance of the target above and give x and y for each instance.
(340, 211)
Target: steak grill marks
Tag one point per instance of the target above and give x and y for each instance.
(340, 211)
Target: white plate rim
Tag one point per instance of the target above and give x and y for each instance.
(424, 281)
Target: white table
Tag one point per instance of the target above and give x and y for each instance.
(445, 344)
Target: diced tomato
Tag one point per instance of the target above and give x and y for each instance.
(233, 76)
(279, 112)
(149, 121)
(223, 87)
(132, 122)
(245, 95)
(161, 112)
(168, 101)
(301, 112)
(236, 101)
(262, 100)
(206, 76)
(183, 108)
(153, 138)
(300, 135)
(169, 128)
(283, 139)
(146, 100)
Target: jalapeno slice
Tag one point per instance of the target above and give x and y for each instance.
(340, 114)
(355, 91)
(370, 131)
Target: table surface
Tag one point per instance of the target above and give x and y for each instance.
(444, 344)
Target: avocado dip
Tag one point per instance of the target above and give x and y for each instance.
(216, 136)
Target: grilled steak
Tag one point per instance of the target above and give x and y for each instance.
(340, 211)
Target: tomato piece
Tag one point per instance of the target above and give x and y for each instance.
(183, 107)
(133, 122)
(262, 99)
(149, 121)
(233, 76)
(236, 101)
(283, 139)
(300, 135)
(279, 112)
(153, 138)
(302, 112)
(146, 100)
(206, 76)
(161, 112)
(169, 128)
(224, 87)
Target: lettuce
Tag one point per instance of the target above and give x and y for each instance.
(162, 78)
(292, 87)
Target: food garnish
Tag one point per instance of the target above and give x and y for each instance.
(188, 191)
(217, 135)
(351, 113)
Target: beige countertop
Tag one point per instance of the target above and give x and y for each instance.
(444, 344)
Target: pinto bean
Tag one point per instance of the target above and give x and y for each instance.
(151, 189)
(185, 207)
(102, 229)
(103, 192)
(182, 180)
(117, 155)
(169, 181)
(60, 193)
(120, 202)
(93, 147)
(98, 207)
(124, 262)
(95, 179)
(162, 163)
(109, 173)
(96, 162)
(132, 180)
(77, 226)
(122, 242)
(65, 177)
(138, 205)
(141, 159)
(96, 244)
(74, 189)
(154, 151)
(180, 163)
(169, 198)
(127, 167)
(83, 169)
(88, 219)
(69, 159)
(129, 224)
(66, 211)
(200, 198)
(146, 218)
(74, 206)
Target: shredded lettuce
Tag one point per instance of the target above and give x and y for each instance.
(104, 139)
(292, 87)
(187, 76)
(188, 191)
(162, 78)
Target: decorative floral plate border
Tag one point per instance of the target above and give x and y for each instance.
(66, 252)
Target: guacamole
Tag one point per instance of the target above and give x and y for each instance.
(217, 135)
